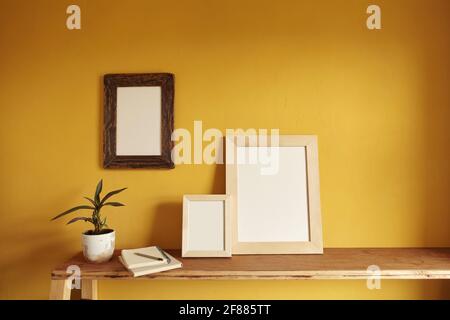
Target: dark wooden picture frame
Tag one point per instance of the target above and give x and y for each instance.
(111, 83)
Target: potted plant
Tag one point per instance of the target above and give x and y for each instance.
(98, 243)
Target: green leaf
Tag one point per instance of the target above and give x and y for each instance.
(114, 204)
(98, 190)
(85, 219)
(109, 195)
(91, 201)
(72, 210)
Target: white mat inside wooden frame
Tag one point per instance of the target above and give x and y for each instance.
(206, 226)
(274, 211)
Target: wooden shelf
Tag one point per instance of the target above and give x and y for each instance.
(394, 263)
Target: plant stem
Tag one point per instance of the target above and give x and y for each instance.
(97, 221)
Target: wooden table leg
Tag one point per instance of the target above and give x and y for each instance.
(60, 289)
(89, 289)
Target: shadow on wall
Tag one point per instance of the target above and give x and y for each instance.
(166, 225)
(436, 154)
(436, 142)
(218, 183)
(100, 120)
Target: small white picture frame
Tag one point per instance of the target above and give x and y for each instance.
(206, 226)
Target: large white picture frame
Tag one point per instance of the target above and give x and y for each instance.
(274, 212)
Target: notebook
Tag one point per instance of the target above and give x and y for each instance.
(131, 260)
(169, 263)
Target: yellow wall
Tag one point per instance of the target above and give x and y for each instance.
(378, 100)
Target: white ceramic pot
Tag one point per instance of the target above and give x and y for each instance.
(98, 248)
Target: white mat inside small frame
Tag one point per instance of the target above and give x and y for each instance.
(206, 226)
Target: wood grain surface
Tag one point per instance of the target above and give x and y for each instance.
(348, 263)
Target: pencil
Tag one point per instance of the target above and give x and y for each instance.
(147, 256)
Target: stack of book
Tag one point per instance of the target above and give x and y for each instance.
(148, 260)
